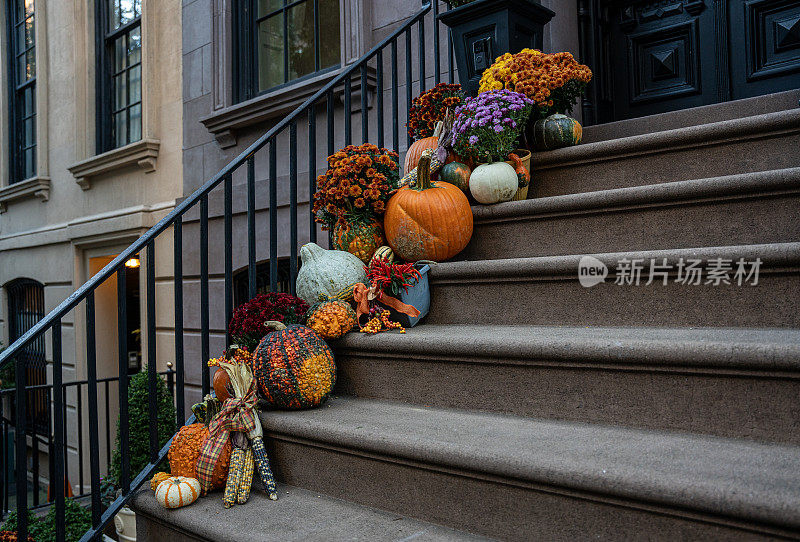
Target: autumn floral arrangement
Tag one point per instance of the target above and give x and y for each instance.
(430, 107)
(247, 326)
(487, 127)
(387, 280)
(553, 81)
(352, 194)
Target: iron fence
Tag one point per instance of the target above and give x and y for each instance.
(379, 69)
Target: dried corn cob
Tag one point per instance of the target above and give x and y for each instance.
(247, 477)
(262, 462)
(235, 472)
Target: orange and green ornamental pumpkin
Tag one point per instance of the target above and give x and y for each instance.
(556, 131)
(456, 174)
(294, 367)
(360, 239)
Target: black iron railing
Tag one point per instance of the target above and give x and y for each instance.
(42, 441)
(369, 72)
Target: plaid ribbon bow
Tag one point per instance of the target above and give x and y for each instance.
(237, 414)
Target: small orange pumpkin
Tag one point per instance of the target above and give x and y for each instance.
(431, 221)
(221, 383)
(158, 478)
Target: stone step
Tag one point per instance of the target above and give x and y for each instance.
(739, 383)
(745, 145)
(547, 291)
(739, 209)
(298, 515)
(520, 478)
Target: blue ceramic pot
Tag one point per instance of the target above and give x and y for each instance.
(419, 296)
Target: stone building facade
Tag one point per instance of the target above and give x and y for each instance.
(90, 158)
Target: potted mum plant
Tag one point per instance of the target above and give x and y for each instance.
(554, 82)
(485, 131)
(352, 194)
(247, 325)
(485, 29)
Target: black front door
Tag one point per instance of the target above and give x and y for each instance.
(653, 57)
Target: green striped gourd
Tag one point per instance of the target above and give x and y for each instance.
(556, 131)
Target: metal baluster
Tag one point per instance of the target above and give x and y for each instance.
(152, 399)
(64, 434)
(108, 428)
(204, 346)
(409, 77)
(395, 120)
(177, 260)
(228, 219)
(80, 437)
(273, 216)
(251, 227)
(348, 128)
(450, 60)
(292, 206)
(35, 454)
(329, 113)
(122, 338)
(364, 111)
(59, 480)
(3, 460)
(21, 443)
(312, 171)
(421, 31)
(437, 65)
(379, 104)
(91, 388)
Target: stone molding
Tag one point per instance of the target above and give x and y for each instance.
(35, 187)
(224, 123)
(142, 153)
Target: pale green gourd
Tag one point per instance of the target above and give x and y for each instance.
(493, 183)
(326, 272)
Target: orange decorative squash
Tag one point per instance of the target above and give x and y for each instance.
(185, 449)
(430, 221)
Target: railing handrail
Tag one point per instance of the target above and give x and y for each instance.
(78, 295)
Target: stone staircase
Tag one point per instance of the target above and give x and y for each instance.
(528, 407)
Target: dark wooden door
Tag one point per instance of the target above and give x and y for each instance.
(653, 57)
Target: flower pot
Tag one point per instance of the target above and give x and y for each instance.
(525, 157)
(125, 525)
(485, 29)
(418, 296)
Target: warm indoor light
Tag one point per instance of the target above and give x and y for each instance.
(133, 263)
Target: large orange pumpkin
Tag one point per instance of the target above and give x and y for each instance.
(431, 221)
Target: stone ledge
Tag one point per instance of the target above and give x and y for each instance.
(704, 135)
(743, 481)
(224, 123)
(142, 153)
(725, 188)
(35, 187)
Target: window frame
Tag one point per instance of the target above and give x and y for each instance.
(16, 99)
(104, 81)
(245, 21)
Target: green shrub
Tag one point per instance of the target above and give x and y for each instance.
(77, 519)
(139, 426)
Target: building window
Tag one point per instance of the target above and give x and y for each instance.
(119, 92)
(25, 308)
(22, 89)
(280, 41)
(241, 284)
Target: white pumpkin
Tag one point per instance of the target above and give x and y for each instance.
(326, 272)
(177, 491)
(493, 183)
